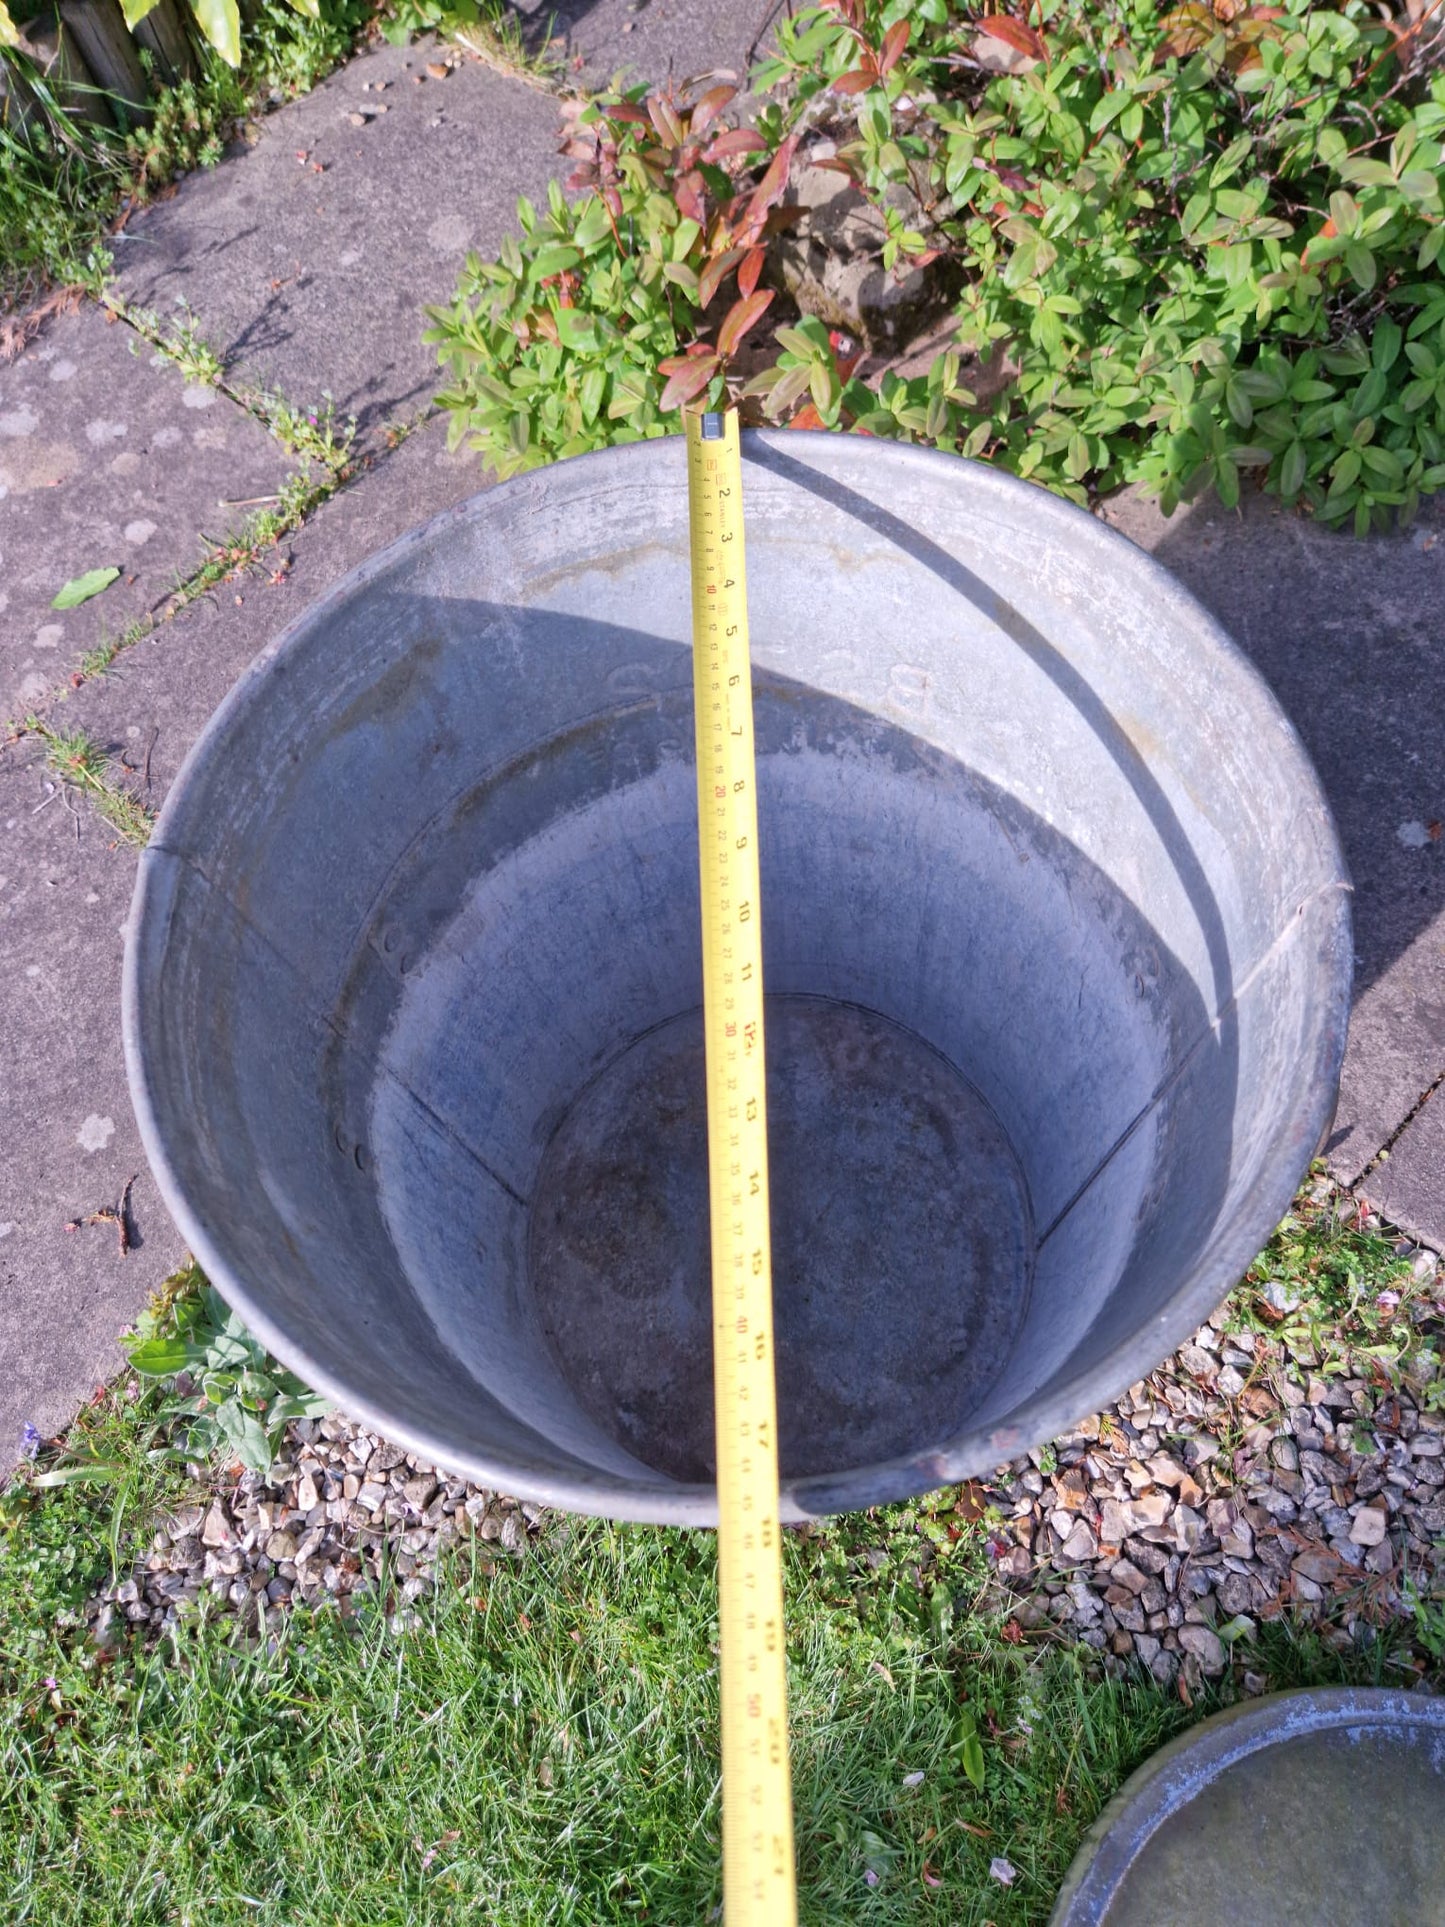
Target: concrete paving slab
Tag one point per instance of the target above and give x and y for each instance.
(308, 257)
(1409, 1186)
(657, 40)
(70, 1141)
(107, 460)
(160, 694)
(68, 1135)
(1351, 636)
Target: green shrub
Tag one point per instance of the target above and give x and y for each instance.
(1201, 247)
(572, 340)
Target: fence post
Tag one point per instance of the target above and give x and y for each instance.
(163, 31)
(100, 32)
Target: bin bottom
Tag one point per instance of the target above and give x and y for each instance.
(902, 1243)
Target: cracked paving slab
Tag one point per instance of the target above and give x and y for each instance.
(69, 1136)
(657, 40)
(309, 256)
(159, 695)
(107, 460)
(1351, 637)
(70, 1141)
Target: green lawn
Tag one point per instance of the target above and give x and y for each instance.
(540, 1745)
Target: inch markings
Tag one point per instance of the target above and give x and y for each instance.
(758, 1876)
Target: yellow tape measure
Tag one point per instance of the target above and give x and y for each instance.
(757, 1808)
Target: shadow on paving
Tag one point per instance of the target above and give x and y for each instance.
(1351, 637)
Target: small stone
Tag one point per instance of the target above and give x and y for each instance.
(1151, 1509)
(281, 1545)
(1125, 1573)
(306, 1494)
(1148, 1558)
(1369, 1526)
(1279, 1505)
(1236, 1593)
(1164, 1470)
(1113, 1523)
(1188, 1527)
(1316, 1564)
(437, 69)
(216, 1531)
(357, 120)
(371, 1497)
(1238, 1542)
(1205, 1645)
(1380, 1558)
(1080, 1544)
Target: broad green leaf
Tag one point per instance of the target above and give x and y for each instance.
(1345, 471)
(81, 588)
(1385, 344)
(1361, 264)
(164, 1357)
(136, 10)
(9, 32)
(594, 387)
(311, 8)
(578, 331)
(1332, 147)
(247, 1438)
(554, 259)
(1292, 470)
(90, 1472)
(972, 1758)
(220, 22)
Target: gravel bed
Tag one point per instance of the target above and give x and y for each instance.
(340, 1511)
(1238, 1482)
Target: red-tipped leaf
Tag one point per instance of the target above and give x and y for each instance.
(894, 41)
(687, 376)
(1013, 33)
(858, 81)
(767, 191)
(688, 196)
(709, 107)
(737, 140)
(713, 275)
(748, 273)
(664, 118)
(740, 317)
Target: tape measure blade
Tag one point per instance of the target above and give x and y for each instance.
(758, 1874)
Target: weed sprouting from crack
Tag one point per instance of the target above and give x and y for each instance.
(96, 661)
(178, 340)
(81, 763)
(223, 561)
(311, 434)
